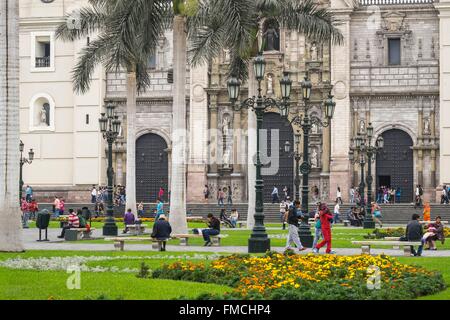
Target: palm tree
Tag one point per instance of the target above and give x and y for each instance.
(10, 227)
(127, 35)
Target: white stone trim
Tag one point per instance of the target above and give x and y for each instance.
(51, 102)
(33, 35)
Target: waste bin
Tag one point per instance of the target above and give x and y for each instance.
(42, 222)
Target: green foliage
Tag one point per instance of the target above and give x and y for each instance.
(102, 297)
(383, 233)
(144, 271)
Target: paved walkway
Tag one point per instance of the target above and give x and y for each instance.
(31, 235)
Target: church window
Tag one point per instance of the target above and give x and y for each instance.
(394, 51)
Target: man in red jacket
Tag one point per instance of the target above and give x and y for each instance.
(325, 219)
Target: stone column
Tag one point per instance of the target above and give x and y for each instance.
(420, 152)
(196, 176)
(340, 78)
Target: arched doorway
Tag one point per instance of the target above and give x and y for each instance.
(152, 167)
(395, 163)
(285, 174)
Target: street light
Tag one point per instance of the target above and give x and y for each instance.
(363, 145)
(22, 162)
(305, 121)
(110, 128)
(259, 242)
(297, 156)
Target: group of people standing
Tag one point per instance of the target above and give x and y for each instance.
(388, 195)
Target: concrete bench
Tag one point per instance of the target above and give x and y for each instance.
(406, 245)
(190, 218)
(76, 234)
(346, 223)
(136, 229)
(428, 222)
(119, 242)
(240, 224)
(184, 238)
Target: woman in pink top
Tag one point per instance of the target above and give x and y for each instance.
(61, 206)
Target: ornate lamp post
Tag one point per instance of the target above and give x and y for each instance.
(306, 122)
(297, 156)
(22, 162)
(110, 127)
(259, 241)
(363, 145)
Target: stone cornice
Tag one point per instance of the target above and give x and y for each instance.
(387, 96)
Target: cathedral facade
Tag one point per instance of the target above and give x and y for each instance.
(387, 74)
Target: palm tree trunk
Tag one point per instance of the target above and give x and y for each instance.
(131, 142)
(10, 226)
(177, 216)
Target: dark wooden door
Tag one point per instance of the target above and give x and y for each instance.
(396, 162)
(151, 167)
(284, 176)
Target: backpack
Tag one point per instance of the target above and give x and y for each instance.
(420, 191)
(82, 221)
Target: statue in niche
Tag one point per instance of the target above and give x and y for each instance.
(314, 158)
(44, 115)
(162, 44)
(227, 57)
(426, 126)
(272, 38)
(226, 126)
(269, 84)
(313, 51)
(314, 129)
(362, 126)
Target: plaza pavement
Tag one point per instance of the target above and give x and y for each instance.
(31, 235)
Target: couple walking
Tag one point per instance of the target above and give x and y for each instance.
(323, 228)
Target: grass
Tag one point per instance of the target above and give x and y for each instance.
(43, 285)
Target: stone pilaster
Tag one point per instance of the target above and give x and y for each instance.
(196, 175)
(340, 78)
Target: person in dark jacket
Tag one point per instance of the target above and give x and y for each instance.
(213, 229)
(414, 232)
(162, 231)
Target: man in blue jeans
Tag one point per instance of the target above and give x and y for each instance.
(213, 229)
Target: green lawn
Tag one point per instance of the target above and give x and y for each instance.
(33, 284)
(42, 285)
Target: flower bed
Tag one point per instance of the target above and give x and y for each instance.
(394, 232)
(288, 276)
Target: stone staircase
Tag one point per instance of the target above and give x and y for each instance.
(392, 213)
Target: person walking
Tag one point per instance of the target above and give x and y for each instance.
(234, 217)
(24, 206)
(213, 229)
(28, 193)
(206, 193)
(292, 220)
(275, 197)
(317, 227)
(56, 207)
(33, 208)
(220, 197)
(283, 210)
(444, 196)
(414, 232)
(161, 231)
(339, 195)
(62, 204)
(427, 212)
(93, 194)
(161, 193)
(230, 196)
(398, 194)
(159, 209)
(376, 213)
(352, 194)
(336, 212)
(325, 218)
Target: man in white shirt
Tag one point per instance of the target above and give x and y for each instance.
(275, 195)
(336, 213)
(94, 195)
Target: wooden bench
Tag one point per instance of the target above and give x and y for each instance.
(365, 245)
(184, 238)
(76, 234)
(119, 242)
(136, 229)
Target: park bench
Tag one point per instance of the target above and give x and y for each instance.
(240, 224)
(190, 218)
(119, 242)
(346, 223)
(75, 234)
(184, 238)
(136, 229)
(406, 245)
(428, 222)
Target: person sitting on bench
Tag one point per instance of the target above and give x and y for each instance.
(74, 222)
(128, 219)
(162, 231)
(414, 232)
(213, 229)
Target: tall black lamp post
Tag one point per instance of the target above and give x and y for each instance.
(22, 162)
(363, 145)
(306, 122)
(110, 127)
(259, 241)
